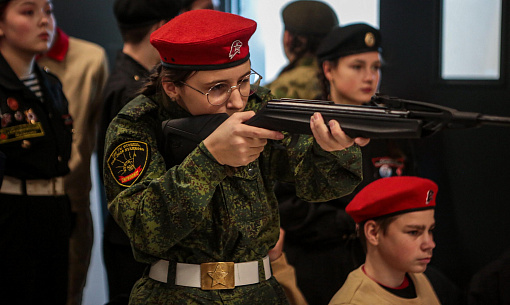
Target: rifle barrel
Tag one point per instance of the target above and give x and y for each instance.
(494, 120)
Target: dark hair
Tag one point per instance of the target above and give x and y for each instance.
(2, 9)
(383, 223)
(323, 81)
(186, 4)
(160, 73)
(300, 45)
(135, 35)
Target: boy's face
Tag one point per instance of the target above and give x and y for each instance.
(408, 242)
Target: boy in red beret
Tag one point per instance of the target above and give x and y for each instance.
(206, 224)
(395, 219)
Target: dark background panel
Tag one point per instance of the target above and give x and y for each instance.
(92, 20)
(471, 165)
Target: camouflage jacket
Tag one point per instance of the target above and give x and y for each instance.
(299, 82)
(200, 211)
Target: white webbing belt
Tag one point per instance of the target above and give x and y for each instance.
(188, 275)
(39, 187)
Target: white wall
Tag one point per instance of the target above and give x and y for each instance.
(471, 39)
(266, 44)
(95, 292)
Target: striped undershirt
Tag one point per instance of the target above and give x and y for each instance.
(32, 82)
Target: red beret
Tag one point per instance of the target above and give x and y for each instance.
(392, 196)
(204, 40)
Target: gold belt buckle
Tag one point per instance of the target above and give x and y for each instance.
(217, 275)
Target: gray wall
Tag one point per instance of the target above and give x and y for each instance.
(92, 20)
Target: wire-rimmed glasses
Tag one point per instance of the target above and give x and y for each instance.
(219, 94)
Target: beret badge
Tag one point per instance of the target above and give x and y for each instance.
(235, 48)
(430, 196)
(369, 39)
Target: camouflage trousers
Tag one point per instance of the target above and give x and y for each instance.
(149, 291)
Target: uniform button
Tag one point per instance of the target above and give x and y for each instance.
(250, 170)
(26, 144)
(59, 158)
(136, 77)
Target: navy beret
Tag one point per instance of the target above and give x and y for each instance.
(140, 13)
(309, 18)
(350, 39)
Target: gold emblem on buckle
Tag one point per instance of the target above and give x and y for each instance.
(218, 275)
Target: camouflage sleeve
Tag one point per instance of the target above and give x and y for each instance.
(317, 174)
(154, 206)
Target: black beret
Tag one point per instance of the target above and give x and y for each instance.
(140, 13)
(350, 39)
(309, 18)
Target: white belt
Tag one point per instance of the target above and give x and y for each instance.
(211, 276)
(39, 187)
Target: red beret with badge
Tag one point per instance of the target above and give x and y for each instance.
(392, 196)
(204, 40)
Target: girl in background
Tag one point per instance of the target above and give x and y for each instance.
(320, 237)
(35, 135)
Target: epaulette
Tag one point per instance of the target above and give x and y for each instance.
(138, 107)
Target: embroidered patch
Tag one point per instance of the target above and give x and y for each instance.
(20, 132)
(128, 161)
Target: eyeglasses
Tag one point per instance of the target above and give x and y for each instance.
(219, 94)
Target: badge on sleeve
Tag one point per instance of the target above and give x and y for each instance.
(128, 161)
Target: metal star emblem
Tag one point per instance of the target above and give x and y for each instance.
(218, 276)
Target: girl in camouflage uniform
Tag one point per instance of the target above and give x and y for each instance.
(205, 224)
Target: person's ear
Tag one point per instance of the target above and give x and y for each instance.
(287, 38)
(327, 68)
(160, 24)
(372, 232)
(170, 89)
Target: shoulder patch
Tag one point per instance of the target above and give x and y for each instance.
(128, 161)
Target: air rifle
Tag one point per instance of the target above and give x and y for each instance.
(384, 118)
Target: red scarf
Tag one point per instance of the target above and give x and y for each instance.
(60, 47)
